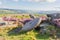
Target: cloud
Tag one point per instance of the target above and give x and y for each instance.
(0, 2)
(51, 0)
(16, 0)
(34, 0)
(40, 0)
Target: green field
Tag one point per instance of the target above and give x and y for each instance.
(31, 35)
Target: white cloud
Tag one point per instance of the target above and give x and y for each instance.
(0, 2)
(37, 0)
(51, 0)
(16, 0)
(40, 0)
(34, 0)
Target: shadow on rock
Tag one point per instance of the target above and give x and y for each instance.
(16, 31)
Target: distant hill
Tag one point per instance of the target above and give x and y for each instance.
(48, 12)
(4, 10)
(11, 11)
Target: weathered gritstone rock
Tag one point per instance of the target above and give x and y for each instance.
(31, 25)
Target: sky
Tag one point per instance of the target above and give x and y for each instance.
(31, 4)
